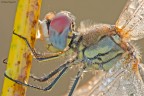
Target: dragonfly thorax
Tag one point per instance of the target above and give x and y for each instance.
(93, 32)
(99, 49)
(102, 55)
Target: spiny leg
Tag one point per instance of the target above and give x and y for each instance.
(45, 78)
(5, 61)
(42, 79)
(79, 74)
(36, 87)
(21, 83)
(68, 63)
(55, 80)
(39, 57)
(62, 68)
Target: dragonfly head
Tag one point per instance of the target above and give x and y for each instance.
(57, 30)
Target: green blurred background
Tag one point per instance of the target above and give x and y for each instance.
(98, 11)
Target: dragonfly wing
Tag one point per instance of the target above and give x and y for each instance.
(88, 87)
(117, 82)
(141, 71)
(130, 24)
(127, 84)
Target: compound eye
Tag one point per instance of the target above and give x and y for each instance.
(59, 29)
(59, 23)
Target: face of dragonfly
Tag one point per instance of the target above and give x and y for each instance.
(57, 30)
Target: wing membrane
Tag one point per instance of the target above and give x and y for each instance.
(131, 21)
(119, 82)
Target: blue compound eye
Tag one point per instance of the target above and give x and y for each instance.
(58, 31)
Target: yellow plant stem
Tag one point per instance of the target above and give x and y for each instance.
(20, 58)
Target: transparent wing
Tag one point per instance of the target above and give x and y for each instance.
(130, 24)
(117, 82)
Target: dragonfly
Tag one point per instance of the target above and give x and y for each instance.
(101, 47)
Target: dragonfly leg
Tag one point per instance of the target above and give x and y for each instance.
(5, 60)
(50, 86)
(36, 87)
(78, 76)
(66, 64)
(62, 69)
(21, 83)
(38, 56)
(45, 78)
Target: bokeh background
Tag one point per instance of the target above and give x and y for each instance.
(98, 11)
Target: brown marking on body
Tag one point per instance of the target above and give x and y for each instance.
(123, 34)
(135, 65)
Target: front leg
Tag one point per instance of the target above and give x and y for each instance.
(5, 60)
(39, 56)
